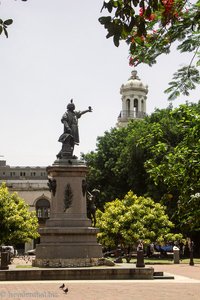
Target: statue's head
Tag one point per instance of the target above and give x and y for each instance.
(71, 105)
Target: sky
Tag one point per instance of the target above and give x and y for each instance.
(56, 51)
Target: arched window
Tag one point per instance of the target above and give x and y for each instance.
(128, 107)
(142, 106)
(43, 209)
(135, 108)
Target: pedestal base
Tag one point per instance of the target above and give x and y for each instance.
(65, 263)
(67, 239)
(67, 246)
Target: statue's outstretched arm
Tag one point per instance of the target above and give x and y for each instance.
(84, 111)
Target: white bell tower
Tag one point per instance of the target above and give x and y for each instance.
(133, 100)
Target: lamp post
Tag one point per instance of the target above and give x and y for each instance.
(140, 256)
(191, 247)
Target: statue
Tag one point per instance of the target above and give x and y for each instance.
(70, 136)
(91, 206)
(52, 186)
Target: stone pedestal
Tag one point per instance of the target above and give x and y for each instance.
(176, 256)
(140, 259)
(4, 261)
(68, 238)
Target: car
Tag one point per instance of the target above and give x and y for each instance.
(164, 249)
(31, 252)
(9, 249)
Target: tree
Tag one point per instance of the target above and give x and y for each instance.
(117, 165)
(5, 24)
(150, 28)
(190, 213)
(104, 172)
(177, 164)
(157, 157)
(125, 221)
(18, 224)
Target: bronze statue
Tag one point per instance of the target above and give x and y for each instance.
(91, 205)
(91, 208)
(52, 186)
(70, 136)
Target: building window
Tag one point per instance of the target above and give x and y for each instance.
(128, 106)
(142, 106)
(135, 108)
(43, 209)
(22, 174)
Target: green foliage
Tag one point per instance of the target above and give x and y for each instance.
(4, 25)
(156, 157)
(190, 213)
(126, 221)
(18, 224)
(184, 79)
(105, 171)
(151, 27)
(118, 164)
(177, 165)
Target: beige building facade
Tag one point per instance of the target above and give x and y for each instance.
(31, 184)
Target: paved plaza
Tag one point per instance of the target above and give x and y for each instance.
(185, 286)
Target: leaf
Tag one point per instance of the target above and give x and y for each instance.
(148, 11)
(104, 20)
(6, 32)
(198, 63)
(116, 39)
(8, 22)
(135, 2)
(1, 29)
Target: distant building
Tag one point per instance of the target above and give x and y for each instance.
(134, 96)
(31, 184)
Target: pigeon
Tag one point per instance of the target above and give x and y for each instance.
(62, 286)
(66, 290)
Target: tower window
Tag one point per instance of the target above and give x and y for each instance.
(128, 107)
(142, 105)
(135, 108)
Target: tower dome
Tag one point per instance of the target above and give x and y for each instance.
(133, 100)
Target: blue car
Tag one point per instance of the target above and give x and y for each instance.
(164, 248)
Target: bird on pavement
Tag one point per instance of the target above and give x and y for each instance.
(66, 290)
(62, 286)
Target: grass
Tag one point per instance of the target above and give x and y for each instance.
(169, 261)
(157, 260)
(23, 266)
(147, 261)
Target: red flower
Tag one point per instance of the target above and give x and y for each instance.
(152, 17)
(131, 62)
(141, 11)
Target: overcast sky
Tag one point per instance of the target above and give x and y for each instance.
(57, 50)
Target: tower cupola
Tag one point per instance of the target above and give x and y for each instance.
(134, 95)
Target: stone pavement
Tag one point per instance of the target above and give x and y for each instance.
(185, 286)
